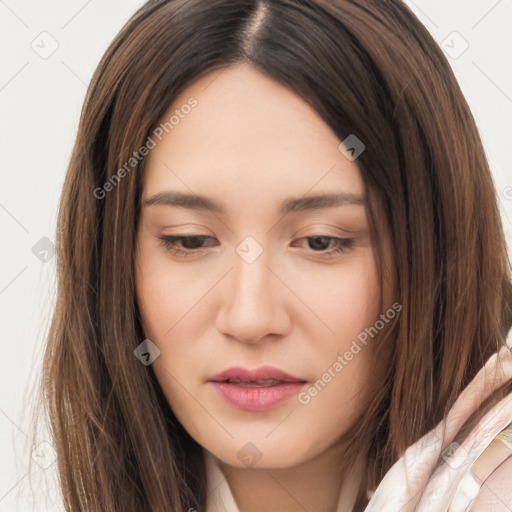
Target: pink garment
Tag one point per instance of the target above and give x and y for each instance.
(412, 483)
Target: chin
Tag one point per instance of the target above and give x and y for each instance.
(260, 453)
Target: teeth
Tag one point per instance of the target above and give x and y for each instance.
(259, 383)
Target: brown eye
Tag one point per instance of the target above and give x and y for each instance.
(320, 243)
(191, 243)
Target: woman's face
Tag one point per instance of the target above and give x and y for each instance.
(276, 279)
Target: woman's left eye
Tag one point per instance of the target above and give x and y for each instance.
(194, 243)
(320, 241)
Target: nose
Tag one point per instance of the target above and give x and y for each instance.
(254, 302)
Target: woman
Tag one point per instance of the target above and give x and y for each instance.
(284, 211)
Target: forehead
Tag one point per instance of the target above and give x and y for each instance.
(248, 137)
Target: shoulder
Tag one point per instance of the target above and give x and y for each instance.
(495, 494)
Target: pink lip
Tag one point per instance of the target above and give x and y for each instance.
(250, 396)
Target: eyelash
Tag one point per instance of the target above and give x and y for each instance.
(169, 242)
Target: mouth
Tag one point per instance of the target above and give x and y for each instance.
(256, 390)
(265, 375)
(253, 383)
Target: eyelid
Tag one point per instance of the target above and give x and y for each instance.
(324, 229)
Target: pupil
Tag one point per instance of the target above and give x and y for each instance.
(191, 242)
(314, 242)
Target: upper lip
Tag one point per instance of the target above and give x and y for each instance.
(261, 373)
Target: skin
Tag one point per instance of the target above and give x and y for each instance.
(250, 144)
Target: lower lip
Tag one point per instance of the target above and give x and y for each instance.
(255, 398)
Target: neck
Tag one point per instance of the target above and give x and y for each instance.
(319, 484)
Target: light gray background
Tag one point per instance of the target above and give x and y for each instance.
(40, 100)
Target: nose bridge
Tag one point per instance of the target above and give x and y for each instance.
(251, 277)
(251, 306)
(251, 274)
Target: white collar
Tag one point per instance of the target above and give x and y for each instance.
(218, 495)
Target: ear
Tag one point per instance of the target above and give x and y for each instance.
(496, 492)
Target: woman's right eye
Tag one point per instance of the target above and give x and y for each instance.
(191, 243)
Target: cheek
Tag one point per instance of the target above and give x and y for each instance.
(345, 298)
(165, 293)
(347, 301)
(355, 296)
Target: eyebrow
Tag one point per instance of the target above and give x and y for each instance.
(195, 202)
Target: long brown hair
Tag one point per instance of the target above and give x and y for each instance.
(368, 68)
